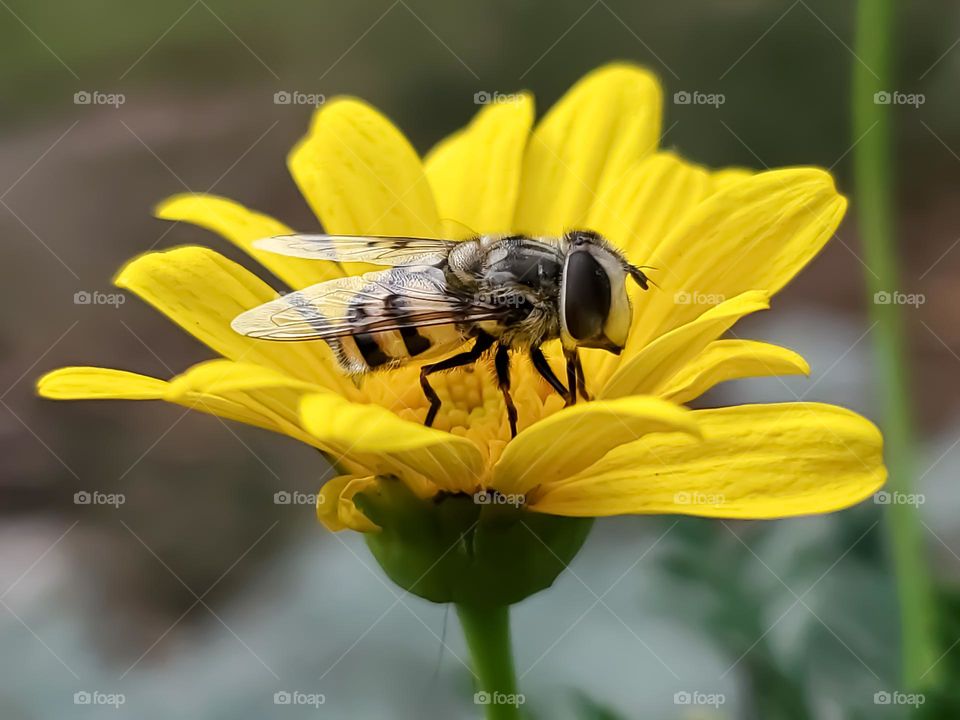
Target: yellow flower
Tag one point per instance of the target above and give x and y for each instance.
(724, 242)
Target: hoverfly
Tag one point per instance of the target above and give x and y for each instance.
(514, 292)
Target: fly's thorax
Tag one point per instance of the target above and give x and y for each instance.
(594, 306)
(465, 262)
(517, 277)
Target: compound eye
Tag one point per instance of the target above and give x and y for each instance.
(586, 296)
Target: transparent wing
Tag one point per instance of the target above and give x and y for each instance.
(375, 302)
(393, 251)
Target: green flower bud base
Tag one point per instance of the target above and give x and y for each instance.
(454, 549)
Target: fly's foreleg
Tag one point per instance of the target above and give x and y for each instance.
(546, 372)
(581, 378)
(571, 357)
(576, 380)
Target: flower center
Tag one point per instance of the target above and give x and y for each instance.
(472, 405)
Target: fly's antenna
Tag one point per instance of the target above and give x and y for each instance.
(640, 277)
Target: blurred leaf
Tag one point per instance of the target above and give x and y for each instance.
(802, 608)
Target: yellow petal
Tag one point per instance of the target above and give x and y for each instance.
(475, 173)
(650, 199)
(646, 370)
(724, 360)
(588, 140)
(335, 508)
(202, 292)
(754, 461)
(570, 440)
(195, 389)
(256, 395)
(269, 399)
(361, 176)
(94, 383)
(242, 226)
(222, 377)
(245, 392)
(755, 234)
(723, 177)
(422, 457)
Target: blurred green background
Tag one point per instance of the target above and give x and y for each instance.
(200, 597)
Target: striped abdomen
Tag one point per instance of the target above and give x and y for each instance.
(365, 352)
(403, 298)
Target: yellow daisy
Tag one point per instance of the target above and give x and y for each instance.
(724, 241)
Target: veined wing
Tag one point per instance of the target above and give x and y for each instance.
(395, 299)
(378, 250)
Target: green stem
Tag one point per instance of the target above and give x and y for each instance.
(487, 629)
(873, 168)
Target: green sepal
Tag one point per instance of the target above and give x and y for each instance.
(456, 549)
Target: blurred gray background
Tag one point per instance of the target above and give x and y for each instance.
(199, 597)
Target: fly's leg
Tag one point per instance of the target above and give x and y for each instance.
(573, 370)
(581, 378)
(501, 362)
(546, 372)
(575, 377)
(480, 346)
